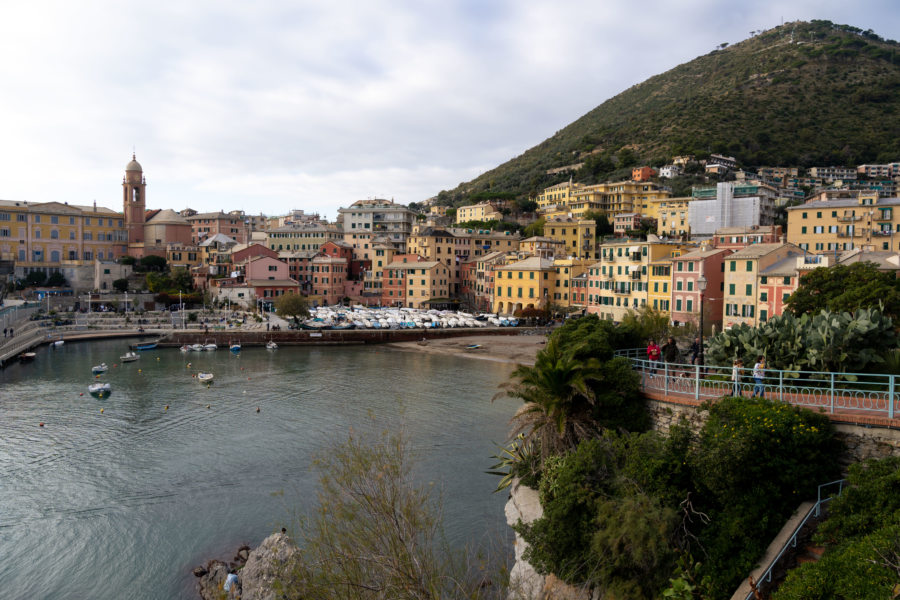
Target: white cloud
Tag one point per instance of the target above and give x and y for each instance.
(272, 106)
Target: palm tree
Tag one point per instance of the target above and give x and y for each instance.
(558, 398)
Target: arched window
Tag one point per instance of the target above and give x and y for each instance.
(54, 256)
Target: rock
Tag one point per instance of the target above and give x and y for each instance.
(242, 555)
(557, 589)
(524, 505)
(200, 571)
(210, 583)
(264, 565)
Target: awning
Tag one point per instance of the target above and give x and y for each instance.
(634, 249)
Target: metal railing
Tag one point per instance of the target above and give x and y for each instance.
(814, 513)
(871, 394)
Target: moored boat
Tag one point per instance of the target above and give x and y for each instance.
(27, 356)
(129, 357)
(271, 345)
(205, 377)
(100, 390)
(210, 346)
(98, 369)
(145, 345)
(235, 347)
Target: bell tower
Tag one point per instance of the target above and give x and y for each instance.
(134, 188)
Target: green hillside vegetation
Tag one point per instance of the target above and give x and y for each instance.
(829, 98)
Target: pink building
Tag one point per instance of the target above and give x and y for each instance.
(625, 222)
(686, 301)
(735, 238)
(329, 276)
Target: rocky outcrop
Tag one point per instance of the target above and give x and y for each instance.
(257, 570)
(524, 505)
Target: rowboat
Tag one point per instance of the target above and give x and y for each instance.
(129, 357)
(98, 369)
(235, 347)
(145, 345)
(27, 356)
(271, 345)
(205, 377)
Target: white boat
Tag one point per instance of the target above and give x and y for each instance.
(205, 377)
(185, 348)
(101, 368)
(99, 390)
(271, 345)
(209, 347)
(129, 357)
(59, 343)
(235, 347)
(197, 347)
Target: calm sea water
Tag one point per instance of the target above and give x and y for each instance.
(125, 503)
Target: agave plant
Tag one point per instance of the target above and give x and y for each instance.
(516, 459)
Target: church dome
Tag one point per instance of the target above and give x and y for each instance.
(133, 165)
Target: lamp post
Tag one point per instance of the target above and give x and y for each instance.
(181, 307)
(701, 286)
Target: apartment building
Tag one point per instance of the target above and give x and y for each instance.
(621, 280)
(578, 236)
(625, 222)
(671, 216)
(479, 277)
(610, 197)
(543, 246)
(567, 270)
(687, 269)
(483, 211)
(735, 238)
(522, 284)
(308, 236)
(329, 274)
(868, 221)
(879, 171)
(642, 173)
(380, 217)
(743, 272)
(832, 173)
(58, 237)
(558, 195)
(206, 225)
(730, 205)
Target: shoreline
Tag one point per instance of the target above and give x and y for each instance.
(516, 350)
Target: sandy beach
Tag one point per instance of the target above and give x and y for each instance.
(515, 349)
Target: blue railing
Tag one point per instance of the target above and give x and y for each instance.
(871, 394)
(814, 513)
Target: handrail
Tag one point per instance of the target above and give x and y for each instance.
(865, 393)
(814, 512)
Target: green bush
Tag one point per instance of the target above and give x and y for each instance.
(870, 500)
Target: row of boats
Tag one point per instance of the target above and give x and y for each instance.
(234, 347)
(360, 317)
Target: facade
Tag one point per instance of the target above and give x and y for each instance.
(621, 280)
(57, 237)
(642, 173)
(735, 238)
(625, 222)
(567, 271)
(526, 283)
(879, 171)
(670, 171)
(329, 273)
(307, 236)
(867, 221)
(483, 211)
(557, 195)
(381, 217)
(578, 236)
(743, 273)
(207, 225)
(832, 173)
(730, 205)
(686, 296)
(610, 197)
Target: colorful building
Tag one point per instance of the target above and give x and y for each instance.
(578, 236)
(526, 283)
(841, 224)
(687, 298)
(483, 211)
(743, 273)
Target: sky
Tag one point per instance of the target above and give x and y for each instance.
(278, 105)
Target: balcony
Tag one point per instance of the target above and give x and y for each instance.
(881, 233)
(848, 218)
(884, 215)
(636, 275)
(622, 290)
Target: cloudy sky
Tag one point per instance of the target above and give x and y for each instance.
(273, 105)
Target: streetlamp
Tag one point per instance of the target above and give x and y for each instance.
(701, 286)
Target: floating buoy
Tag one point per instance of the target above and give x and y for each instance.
(207, 386)
(207, 406)
(167, 407)
(41, 424)
(81, 394)
(257, 409)
(115, 365)
(139, 371)
(101, 411)
(157, 358)
(96, 377)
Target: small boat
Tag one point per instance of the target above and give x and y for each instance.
(98, 369)
(27, 356)
(100, 390)
(129, 357)
(185, 348)
(58, 343)
(205, 377)
(235, 347)
(144, 345)
(197, 347)
(209, 347)
(473, 346)
(271, 345)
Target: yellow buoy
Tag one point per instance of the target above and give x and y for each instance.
(167, 407)
(207, 406)
(101, 411)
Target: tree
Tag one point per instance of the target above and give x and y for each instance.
(378, 534)
(153, 263)
(843, 288)
(291, 306)
(35, 278)
(57, 279)
(534, 229)
(126, 260)
(601, 220)
(120, 285)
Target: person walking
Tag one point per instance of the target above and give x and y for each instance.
(695, 351)
(736, 369)
(653, 353)
(758, 373)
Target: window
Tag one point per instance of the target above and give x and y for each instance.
(804, 215)
(54, 219)
(678, 304)
(763, 297)
(749, 289)
(749, 266)
(787, 281)
(733, 266)
(731, 289)
(785, 296)
(763, 315)
(803, 229)
(690, 285)
(690, 267)
(678, 285)
(690, 305)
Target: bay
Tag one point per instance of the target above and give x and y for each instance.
(124, 503)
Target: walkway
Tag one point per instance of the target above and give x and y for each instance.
(858, 398)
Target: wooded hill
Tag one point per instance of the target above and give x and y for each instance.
(801, 94)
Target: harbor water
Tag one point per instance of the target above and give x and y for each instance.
(124, 503)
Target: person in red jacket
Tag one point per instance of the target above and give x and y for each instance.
(653, 354)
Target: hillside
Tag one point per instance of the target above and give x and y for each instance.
(829, 97)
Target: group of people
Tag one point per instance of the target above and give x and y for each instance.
(670, 354)
(7, 331)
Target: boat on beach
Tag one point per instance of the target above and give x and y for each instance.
(100, 390)
(98, 369)
(129, 357)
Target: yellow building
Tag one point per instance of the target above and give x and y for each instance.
(611, 197)
(577, 235)
(742, 280)
(527, 283)
(559, 195)
(483, 211)
(308, 236)
(426, 280)
(867, 222)
(621, 281)
(185, 257)
(671, 215)
(49, 236)
(383, 255)
(659, 295)
(567, 269)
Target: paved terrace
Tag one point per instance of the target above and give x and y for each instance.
(856, 398)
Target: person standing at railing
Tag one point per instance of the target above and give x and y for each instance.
(653, 353)
(758, 373)
(736, 377)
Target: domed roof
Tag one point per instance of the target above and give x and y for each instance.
(133, 165)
